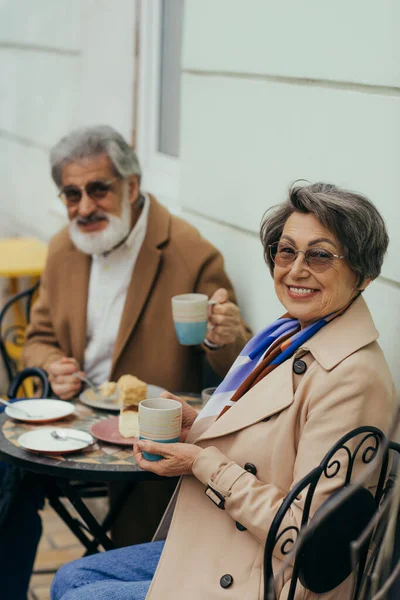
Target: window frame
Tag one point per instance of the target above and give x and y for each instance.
(160, 171)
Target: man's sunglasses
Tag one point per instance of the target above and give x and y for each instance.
(71, 195)
(318, 259)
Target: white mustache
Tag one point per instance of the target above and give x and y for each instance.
(94, 218)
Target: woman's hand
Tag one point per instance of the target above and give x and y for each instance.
(177, 458)
(189, 414)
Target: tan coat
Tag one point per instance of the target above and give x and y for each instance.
(174, 259)
(284, 426)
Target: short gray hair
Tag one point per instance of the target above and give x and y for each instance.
(350, 217)
(94, 141)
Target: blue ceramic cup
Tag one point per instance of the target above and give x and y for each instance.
(190, 315)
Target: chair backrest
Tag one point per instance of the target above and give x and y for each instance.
(320, 547)
(381, 578)
(12, 331)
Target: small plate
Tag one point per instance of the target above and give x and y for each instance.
(107, 431)
(89, 398)
(41, 441)
(49, 410)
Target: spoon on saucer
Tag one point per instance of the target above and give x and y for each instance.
(21, 410)
(63, 437)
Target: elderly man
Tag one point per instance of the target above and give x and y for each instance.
(105, 300)
(104, 307)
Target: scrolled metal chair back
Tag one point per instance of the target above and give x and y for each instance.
(360, 447)
(14, 335)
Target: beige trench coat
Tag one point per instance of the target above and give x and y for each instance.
(284, 426)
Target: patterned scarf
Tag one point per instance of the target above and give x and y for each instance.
(261, 355)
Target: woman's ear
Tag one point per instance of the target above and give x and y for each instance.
(364, 284)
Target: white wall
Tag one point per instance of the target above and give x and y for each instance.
(275, 92)
(62, 64)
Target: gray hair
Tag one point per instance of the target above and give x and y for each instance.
(350, 217)
(94, 141)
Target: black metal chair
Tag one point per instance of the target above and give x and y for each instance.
(12, 332)
(322, 551)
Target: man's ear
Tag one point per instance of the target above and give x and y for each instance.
(364, 284)
(133, 182)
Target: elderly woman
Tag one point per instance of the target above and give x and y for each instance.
(297, 387)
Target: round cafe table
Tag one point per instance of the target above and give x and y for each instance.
(71, 476)
(77, 475)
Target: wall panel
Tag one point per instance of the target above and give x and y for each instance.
(341, 41)
(45, 23)
(244, 141)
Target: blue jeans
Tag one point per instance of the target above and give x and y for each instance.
(19, 538)
(123, 574)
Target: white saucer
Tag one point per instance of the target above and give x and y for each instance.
(89, 398)
(42, 411)
(41, 440)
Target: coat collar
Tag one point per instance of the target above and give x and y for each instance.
(332, 344)
(145, 272)
(343, 336)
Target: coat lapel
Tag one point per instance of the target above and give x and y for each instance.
(77, 290)
(271, 395)
(144, 276)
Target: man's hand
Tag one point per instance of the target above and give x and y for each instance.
(189, 414)
(224, 321)
(177, 458)
(63, 383)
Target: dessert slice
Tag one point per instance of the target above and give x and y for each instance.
(108, 389)
(131, 391)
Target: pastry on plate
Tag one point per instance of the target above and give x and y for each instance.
(108, 389)
(131, 391)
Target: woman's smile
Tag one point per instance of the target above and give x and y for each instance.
(301, 293)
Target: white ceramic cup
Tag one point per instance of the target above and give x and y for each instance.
(206, 395)
(160, 420)
(190, 314)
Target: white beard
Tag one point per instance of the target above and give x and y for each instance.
(98, 242)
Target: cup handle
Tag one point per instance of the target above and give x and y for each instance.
(212, 302)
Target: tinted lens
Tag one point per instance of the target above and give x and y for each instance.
(71, 195)
(284, 254)
(97, 190)
(319, 258)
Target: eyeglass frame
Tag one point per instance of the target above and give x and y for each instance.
(83, 187)
(328, 265)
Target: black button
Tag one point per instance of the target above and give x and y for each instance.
(250, 468)
(299, 367)
(226, 580)
(266, 419)
(240, 526)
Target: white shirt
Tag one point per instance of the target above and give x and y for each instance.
(110, 276)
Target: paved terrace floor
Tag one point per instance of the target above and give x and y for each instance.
(57, 547)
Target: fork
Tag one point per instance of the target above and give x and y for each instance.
(94, 388)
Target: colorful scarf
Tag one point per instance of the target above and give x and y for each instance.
(261, 355)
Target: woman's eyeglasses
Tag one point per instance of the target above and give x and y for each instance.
(71, 195)
(318, 259)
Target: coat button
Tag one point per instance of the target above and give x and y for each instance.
(226, 581)
(299, 367)
(265, 420)
(250, 468)
(240, 527)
